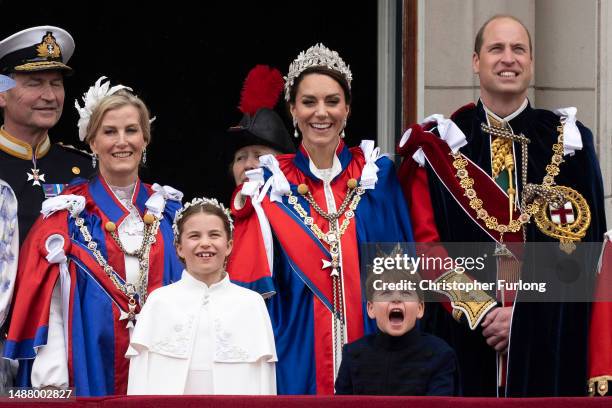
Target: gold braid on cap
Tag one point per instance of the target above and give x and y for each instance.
(200, 202)
(316, 56)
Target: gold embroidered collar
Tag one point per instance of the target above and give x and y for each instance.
(19, 148)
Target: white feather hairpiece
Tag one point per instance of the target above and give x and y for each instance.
(91, 99)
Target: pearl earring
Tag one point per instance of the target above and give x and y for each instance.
(295, 128)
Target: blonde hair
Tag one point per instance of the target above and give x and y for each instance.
(115, 101)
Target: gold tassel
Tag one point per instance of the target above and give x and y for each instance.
(500, 148)
(509, 162)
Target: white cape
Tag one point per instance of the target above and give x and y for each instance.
(161, 347)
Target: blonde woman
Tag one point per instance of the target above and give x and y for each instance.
(93, 256)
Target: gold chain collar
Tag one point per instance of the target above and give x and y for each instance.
(332, 237)
(535, 198)
(529, 209)
(128, 289)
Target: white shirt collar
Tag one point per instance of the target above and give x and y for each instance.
(190, 280)
(510, 116)
(327, 175)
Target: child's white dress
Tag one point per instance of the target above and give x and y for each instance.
(194, 339)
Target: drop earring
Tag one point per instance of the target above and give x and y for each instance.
(144, 155)
(94, 160)
(342, 134)
(295, 128)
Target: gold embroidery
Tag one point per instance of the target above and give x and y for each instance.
(474, 304)
(40, 65)
(49, 48)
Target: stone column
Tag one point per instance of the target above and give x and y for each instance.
(604, 100)
(450, 28)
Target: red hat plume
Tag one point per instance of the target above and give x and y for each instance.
(261, 89)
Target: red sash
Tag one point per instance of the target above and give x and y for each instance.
(439, 156)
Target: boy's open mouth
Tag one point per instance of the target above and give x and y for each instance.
(396, 315)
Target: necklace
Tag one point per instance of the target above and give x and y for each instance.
(128, 289)
(332, 239)
(138, 253)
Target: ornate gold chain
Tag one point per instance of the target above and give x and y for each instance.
(332, 238)
(130, 290)
(529, 208)
(142, 254)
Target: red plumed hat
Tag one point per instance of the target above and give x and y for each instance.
(260, 124)
(261, 89)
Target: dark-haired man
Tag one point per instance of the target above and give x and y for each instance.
(466, 186)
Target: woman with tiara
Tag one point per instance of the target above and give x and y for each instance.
(93, 256)
(298, 236)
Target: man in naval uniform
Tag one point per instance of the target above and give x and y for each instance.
(31, 165)
(464, 179)
(34, 167)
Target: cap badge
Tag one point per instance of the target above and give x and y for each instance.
(49, 48)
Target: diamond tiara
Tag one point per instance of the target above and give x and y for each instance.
(200, 202)
(316, 56)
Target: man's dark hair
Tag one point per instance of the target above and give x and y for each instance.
(479, 36)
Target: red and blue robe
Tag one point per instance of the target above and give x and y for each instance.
(300, 308)
(97, 339)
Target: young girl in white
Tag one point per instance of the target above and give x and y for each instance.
(203, 334)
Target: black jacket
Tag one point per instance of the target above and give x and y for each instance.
(413, 364)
